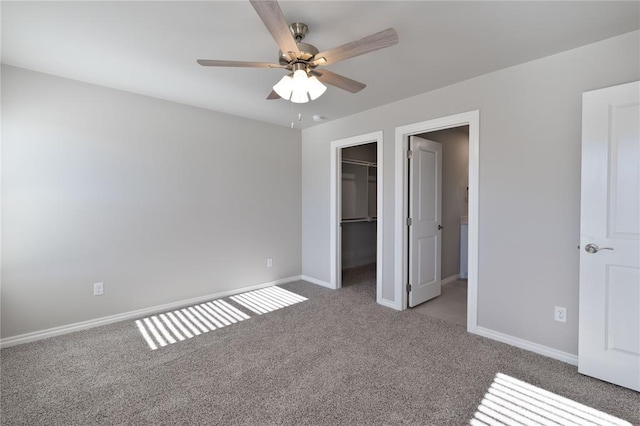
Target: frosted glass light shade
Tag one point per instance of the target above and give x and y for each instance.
(299, 97)
(284, 87)
(316, 89)
(299, 91)
(300, 79)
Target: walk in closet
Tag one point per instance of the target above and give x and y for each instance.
(359, 211)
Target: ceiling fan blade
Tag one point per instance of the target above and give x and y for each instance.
(272, 17)
(339, 81)
(216, 63)
(273, 95)
(376, 41)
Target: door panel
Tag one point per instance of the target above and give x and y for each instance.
(609, 324)
(427, 255)
(624, 181)
(425, 210)
(622, 295)
(427, 165)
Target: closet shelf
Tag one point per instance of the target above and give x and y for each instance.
(360, 219)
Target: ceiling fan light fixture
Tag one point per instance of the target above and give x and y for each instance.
(299, 87)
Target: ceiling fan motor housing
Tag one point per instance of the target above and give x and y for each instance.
(307, 51)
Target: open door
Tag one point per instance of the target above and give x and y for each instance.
(609, 325)
(425, 210)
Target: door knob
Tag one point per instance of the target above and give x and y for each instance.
(592, 248)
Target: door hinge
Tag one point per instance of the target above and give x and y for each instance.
(439, 227)
(408, 288)
(409, 221)
(409, 154)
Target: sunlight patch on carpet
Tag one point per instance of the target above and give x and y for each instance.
(511, 401)
(171, 327)
(267, 299)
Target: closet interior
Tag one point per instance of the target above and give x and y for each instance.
(359, 214)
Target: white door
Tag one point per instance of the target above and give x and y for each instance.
(425, 195)
(609, 326)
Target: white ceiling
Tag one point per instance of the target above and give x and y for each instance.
(151, 47)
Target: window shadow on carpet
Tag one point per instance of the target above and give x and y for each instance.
(510, 401)
(172, 327)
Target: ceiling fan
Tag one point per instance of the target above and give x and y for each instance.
(302, 59)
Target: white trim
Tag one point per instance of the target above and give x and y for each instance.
(83, 325)
(335, 207)
(527, 345)
(317, 281)
(387, 303)
(472, 119)
(451, 279)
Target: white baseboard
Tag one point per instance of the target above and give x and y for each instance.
(64, 329)
(317, 281)
(450, 279)
(525, 344)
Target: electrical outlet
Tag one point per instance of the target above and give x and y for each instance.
(98, 289)
(560, 314)
(269, 262)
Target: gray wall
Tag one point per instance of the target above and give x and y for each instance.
(530, 124)
(455, 180)
(160, 201)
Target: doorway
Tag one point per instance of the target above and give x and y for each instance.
(448, 186)
(357, 213)
(359, 216)
(402, 208)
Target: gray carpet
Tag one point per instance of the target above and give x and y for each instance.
(450, 306)
(337, 358)
(364, 275)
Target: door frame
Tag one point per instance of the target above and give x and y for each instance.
(336, 206)
(471, 119)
